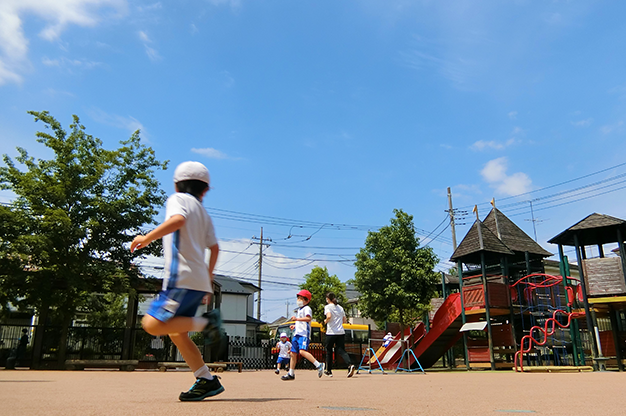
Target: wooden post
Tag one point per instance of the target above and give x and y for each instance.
(459, 267)
(589, 319)
(616, 338)
(487, 310)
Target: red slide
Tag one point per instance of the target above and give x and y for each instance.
(443, 334)
(389, 356)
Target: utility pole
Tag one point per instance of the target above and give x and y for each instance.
(451, 212)
(532, 215)
(261, 244)
(287, 315)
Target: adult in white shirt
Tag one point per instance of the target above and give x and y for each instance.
(335, 334)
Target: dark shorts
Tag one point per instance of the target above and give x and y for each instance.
(175, 302)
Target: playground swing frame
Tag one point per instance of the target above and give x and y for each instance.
(371, 355)
(408, 352)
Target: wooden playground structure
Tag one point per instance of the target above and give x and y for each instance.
(510, 313)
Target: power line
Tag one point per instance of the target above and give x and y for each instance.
(571, 202)
(555, 185)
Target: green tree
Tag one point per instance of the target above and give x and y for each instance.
(73, 215)
(394, 275)
(106, 310)
(319, 283)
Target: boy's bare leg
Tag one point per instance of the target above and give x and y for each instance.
(293, 360)
(308, 356)
(176, 325)
(188, 350)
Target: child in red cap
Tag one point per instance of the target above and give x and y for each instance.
(301, 336)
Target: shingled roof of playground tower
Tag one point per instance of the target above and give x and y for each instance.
(512, 241)
(593, 229)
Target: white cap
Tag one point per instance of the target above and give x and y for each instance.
(283, 335)
(187, 171)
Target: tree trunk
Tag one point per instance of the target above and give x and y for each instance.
(38, 340)
(65, 327)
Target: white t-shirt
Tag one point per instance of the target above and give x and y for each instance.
(303, 328)
(285, 347)
(184, 250)
(335, 325)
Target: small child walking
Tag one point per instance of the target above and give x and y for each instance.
(302, 336)
(187, 232)
(284, 347)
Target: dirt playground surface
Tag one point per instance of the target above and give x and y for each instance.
(253, 393)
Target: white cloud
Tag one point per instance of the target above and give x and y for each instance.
(57, 15)
(494, 173)
(193, 29)
(457, 70)
(153, 6)
(464, 192)
(513, 115)
(144, 36)
(70, 63)
(210, 153)
(481, 145)
(517, 130)
(54, 93)
(612, 128)
(582, 123)
(127, 123)
(235, 4)
(152, 53)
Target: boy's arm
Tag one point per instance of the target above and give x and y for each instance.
(173, 223)
(215, 251)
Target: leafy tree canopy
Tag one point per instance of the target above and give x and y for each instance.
(319, 283)
(63, 237)
(106, 311)
(395, 276)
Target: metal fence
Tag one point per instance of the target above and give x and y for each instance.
(88, 343)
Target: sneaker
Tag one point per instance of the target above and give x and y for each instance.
(320, 370)
(351, 370)
(288, 377)
(202, 389)
(212, 331)
(328, 374)
(277, 371)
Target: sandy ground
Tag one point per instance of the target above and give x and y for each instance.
(93, 392)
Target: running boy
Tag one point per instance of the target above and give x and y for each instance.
(187, 232)
(284, 346)
(301, 336)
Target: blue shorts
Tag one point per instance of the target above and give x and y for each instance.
(283, 360)
(299, 342)
(175, 302)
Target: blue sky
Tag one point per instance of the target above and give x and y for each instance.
(317, 113)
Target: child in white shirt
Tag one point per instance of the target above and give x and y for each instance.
(302, 336)
(284, 347)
